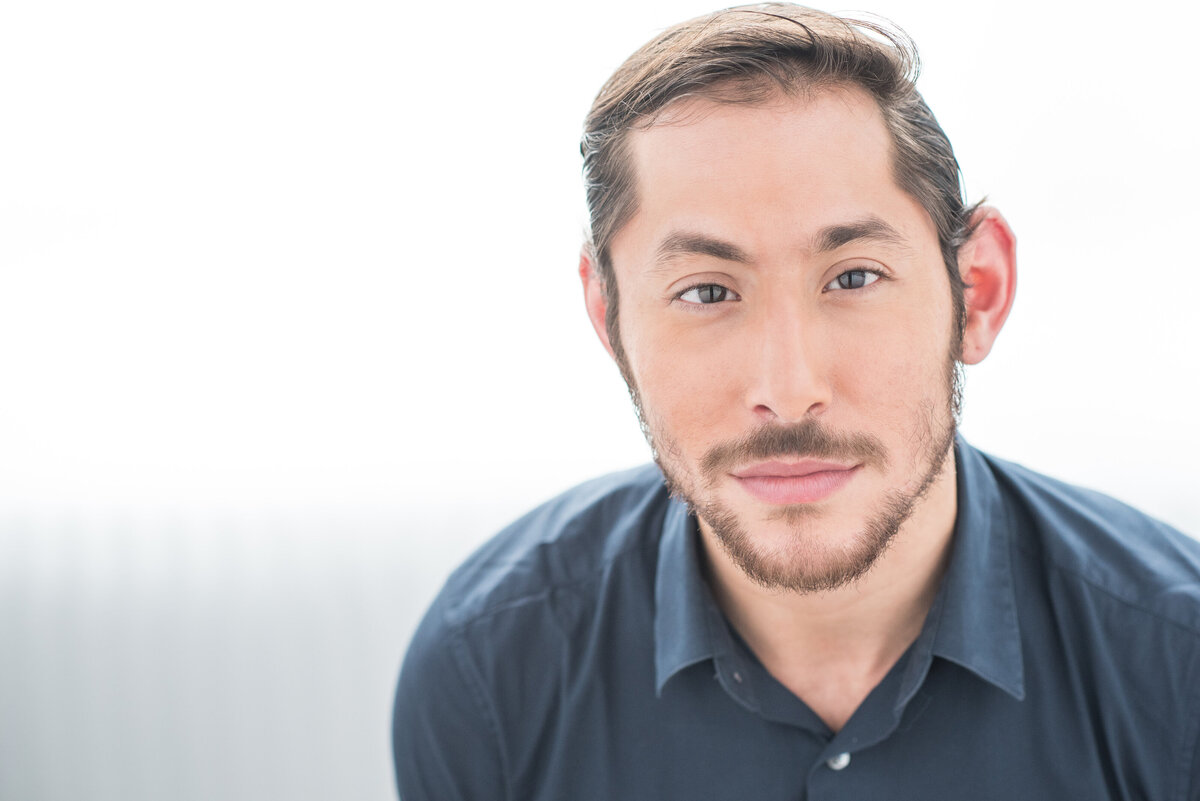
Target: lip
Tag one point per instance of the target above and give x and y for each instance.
(785, 483)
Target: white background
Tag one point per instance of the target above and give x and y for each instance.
(289, 322)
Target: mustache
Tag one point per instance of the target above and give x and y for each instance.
(808, 439)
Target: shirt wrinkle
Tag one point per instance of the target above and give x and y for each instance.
(485, 703)
(1129, 603)
(458, 618)
(510, 568)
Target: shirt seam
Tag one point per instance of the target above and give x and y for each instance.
(483, 701)
(459, 623)
(1194, 631)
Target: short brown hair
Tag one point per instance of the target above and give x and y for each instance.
(748, 54)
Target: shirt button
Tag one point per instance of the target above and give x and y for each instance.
(838, 762)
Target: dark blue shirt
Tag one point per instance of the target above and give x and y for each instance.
(580, 655)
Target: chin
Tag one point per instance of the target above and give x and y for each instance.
(813, 547)
(799, 549)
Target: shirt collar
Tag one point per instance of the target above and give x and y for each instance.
(681, 599)
(973, 621)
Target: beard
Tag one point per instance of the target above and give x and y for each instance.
(799, 564)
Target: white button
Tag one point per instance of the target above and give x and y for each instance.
(737, 677)
(838, 762)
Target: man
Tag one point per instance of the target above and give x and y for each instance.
(820, 591)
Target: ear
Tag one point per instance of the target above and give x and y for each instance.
(988, 265)
(594, 297)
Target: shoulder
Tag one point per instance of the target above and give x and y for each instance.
(1109, 601)
(482, 666)
(1104, 545)
(571, 539)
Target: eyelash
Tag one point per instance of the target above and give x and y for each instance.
(691, 304)
(879, 275)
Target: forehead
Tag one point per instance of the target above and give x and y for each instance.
(789, 164)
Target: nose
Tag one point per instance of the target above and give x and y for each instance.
(788, 366)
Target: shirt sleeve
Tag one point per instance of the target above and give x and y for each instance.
(444, 735)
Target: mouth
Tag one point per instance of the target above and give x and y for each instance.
(787, 483)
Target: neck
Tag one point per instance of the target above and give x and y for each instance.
(831, 648)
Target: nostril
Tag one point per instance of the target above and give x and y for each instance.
(769, 415)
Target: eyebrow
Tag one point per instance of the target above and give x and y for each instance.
(869, 229)
(683, 242)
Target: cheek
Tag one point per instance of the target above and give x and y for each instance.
(687, 387)
(681, 387)
(893, 366)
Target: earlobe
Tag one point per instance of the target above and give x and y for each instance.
(988, 265)
(595, 297)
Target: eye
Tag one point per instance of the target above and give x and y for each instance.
(853, 279)
(707, 294)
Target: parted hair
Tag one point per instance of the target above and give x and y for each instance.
(750, 54)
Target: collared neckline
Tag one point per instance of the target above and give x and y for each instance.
(681, 600)
(973, 621)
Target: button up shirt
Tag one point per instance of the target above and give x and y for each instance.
(581, 655)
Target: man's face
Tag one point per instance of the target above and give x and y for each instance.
(786, 322)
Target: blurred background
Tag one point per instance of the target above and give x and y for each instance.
(289, 324)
